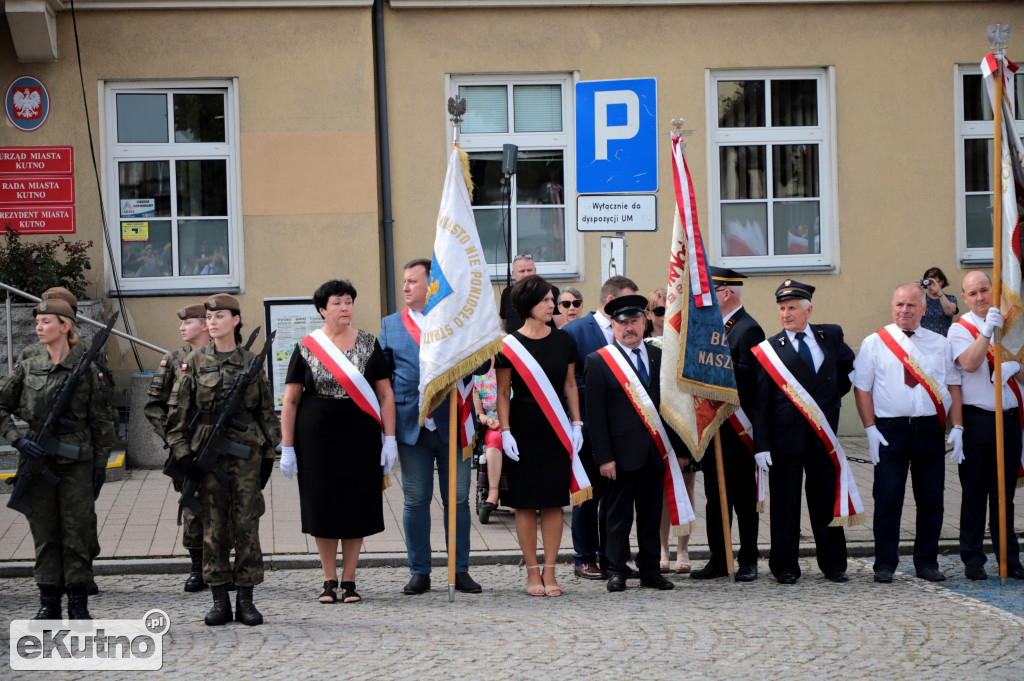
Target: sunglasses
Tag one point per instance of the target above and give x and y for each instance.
(571, 303)
(658, 311)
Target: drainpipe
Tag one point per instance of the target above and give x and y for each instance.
(385, 153)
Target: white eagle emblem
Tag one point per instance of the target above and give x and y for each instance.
(27, 103)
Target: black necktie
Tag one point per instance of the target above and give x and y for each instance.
(641, 370)
(804, 351)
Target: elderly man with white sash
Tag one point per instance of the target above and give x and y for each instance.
(805, 371)
(632, 447)
(907, 390)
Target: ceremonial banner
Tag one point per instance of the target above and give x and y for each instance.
(1012, 154)
(698, 386)
(460, 329)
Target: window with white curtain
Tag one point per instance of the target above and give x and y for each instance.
(535, 208)
(771, 169)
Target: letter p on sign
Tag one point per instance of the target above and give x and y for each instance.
(617, 136)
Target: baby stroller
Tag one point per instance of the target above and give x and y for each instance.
(482, 483)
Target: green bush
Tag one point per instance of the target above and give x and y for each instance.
(35, 267)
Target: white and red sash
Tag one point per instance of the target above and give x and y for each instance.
(745, 430)
(848, 508)
(410, 325)
(344, 372)
(907, 357)
(684, 521)
(466, 426)
(546, 397)
(1012, 384)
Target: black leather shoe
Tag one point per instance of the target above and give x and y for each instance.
(657, 582)
(1015, 571)
(884, 575)
(746, 573)
(589, 571)
(786, 578)
(930, 574)
(712, 571)
(975, 572)
(616, 583)
(838, 577)
(463, 582)
(417, 584)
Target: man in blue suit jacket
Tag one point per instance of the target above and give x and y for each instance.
(592, 333)
(421, 447)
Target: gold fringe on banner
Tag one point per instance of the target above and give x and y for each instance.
(467, 451)
(585, 494)
(386, 482)
(849, 521)
(464, 160)
(684, 530)
(676, 423)
(439, 388)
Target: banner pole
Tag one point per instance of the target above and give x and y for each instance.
(453, 455)
(724, 503)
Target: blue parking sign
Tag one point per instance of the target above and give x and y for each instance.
(617, 136)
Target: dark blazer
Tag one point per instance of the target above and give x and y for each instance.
(589, 338)
(744, 333)
(617, 432)
(778, 425)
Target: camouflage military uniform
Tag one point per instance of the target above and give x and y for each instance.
(156, 412)
(63, 521)
(202, 389)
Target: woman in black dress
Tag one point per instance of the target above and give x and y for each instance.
(333, 441)
(536, 464)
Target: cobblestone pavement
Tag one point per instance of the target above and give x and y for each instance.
(860, 630)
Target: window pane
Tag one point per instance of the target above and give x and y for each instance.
(539, 178)
(742, 172)
(741, 103)
(203, 245)
(537, 108)
(199, 118)
(146, 249)
(744, 229)
(794, 170)
(978, 165)
(540, 231)
(202, 187)
(486, 108)
(493, 234)
(979, 221)
(794, 102)
(141, 118)
(796, 227)
(976, 104)
(147, 180)
(489, 182)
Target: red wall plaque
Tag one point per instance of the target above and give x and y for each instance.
(37, 160)
(39, 219)
(36, 190)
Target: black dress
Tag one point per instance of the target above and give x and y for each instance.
(540, 479)
(337, 446)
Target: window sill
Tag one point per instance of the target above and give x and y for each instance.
(786, 268)
(169, 292)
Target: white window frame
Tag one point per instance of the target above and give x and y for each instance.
(965, 130)
(823, 134)
(572, 266)
(115, 152)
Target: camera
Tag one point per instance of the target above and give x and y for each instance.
(925, 283)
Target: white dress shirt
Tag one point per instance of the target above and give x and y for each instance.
(606, 326)
(817, 354)
(878, 371)
(977, 386)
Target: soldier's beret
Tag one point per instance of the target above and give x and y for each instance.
(63, 294)
(722, 276)
(223, 301)
(626, 307)
(55, 306)
(793, 289)
(197, 311)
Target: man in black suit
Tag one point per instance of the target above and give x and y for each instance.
(821, 362)
(588, 526)
(624, 448)
(738, 464)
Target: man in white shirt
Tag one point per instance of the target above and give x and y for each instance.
(906, 389)
(970, 338)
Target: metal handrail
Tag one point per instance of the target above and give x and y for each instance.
(81, 318)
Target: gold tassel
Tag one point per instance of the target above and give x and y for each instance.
(849, 521)
(585, 494)
(386, 482)
(684, 530)
(467, 452)
(1020, 483)
(439, 388)
(464, 160)
(760, 507)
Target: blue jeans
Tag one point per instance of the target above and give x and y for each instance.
(417, 463)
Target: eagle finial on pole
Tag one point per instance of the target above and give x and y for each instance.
(456, 109)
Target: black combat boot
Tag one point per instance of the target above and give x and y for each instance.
(195, 582)
(49, 602)
(221, 611)
(245, 611)
(78, 602)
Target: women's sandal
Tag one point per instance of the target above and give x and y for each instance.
(348, 593)
(554, 589)
(683, 563)
(329, 594)
(536, 589)
(663, 564)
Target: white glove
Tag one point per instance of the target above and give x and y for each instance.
(388, 453)
(764, 460)
(956, 438)
(993, 321)
(508, 443)
(875, 438)
(428, 423)
(1009, 370)
(289, 466)
(576, 438)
